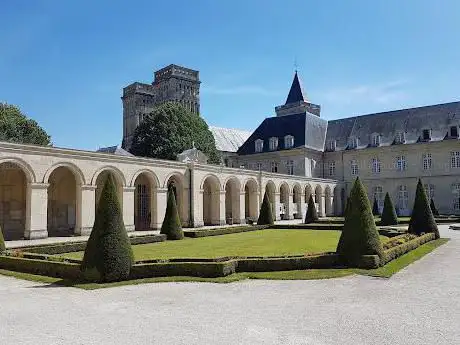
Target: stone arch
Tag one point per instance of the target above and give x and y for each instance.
(176, 180)
(15, 178)
(153, 179)
(307, 192)
(328, 199)
(145, 184)
(251, 199)
(119, 176)
(214, 177)
(297, 201)
(270, 189)
(25, 167)
(319, 199)
(211, 200)
(99, 178)
(232, 200)
(284, 201)
(78, 174)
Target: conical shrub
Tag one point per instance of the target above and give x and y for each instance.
(108, 254)
(389, 216)
(312, 214)
(375, 208)
(265, 214)
(2, 242)
(345, 213)
(172, 226)
(359, 235)
(422, 219)
(434, 210)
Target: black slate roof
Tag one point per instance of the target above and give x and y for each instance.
(437, 118)
(307, 129)
(295, 93)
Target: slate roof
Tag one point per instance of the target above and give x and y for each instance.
(295, 93)
(308, 130)
(116, 150)
(438, 118)
(228, 139)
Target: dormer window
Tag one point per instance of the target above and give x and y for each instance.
(353, 142)
(273, 143)
(375, 139)
(453, 131)
(426, 134)
(331, 145)
(259, 145)
(288, 141)
(400, 138)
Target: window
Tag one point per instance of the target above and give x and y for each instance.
(456, 196)
(288, 141)
(400, 138)
(454, 131)
(331, 168)
(274, 167)
(426, 134)
(353, 142)
(378, 195)
(455, 159)
(259, 166)
(403, 197)
(290, 167)
(331, 145)
(426, 161)
(376, 140)
(401, 163)
(273, 144)
(429, 190)
(354, 168)
(376, 165)
(259, 143)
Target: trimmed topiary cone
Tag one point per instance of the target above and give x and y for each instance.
(108, 254)
(312, 214)
(2, 242)
(265, 214)
(389, 216)
(359, 235)
(434, 210)
(375, 208)
(172, 226)
(422, 219)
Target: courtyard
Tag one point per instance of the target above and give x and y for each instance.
(419, 305)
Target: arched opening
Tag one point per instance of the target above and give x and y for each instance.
(251, 205)
(62, 202)
(270, 190)
(144, 201)
(176, 182)
(319, 200)
(284, 200)
(100, 181)
(328, 201)
(307, 193)
(211, 201)
(13, 196)
(232, 201)
(297, 201)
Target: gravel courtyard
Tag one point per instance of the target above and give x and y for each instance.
(420, 305)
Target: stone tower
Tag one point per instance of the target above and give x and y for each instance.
(172, 83)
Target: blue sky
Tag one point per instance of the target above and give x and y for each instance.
(65, 62)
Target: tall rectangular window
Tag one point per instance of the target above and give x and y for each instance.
(376, 166)
(456, 196)
(429, 190)
(376, 140)
(455, 159)
(401, 163)
(403, 198)
(426, 134)
(259, 145)
(354, 168)
(274, 167)
(454, 131)
(273, 144)
(331, 168)
(259, 166)
(426, 161)
(290, 167)
(378, 195)
(288, 141)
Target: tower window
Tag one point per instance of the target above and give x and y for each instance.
(454, 131)
(376, 140)
(426, 134)
(273, 143)
(331, 145)
(400, 138)
(288, 141)
(259, 145)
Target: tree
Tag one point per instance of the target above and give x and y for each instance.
(171, 129)
(172, 226)
(375, 208)
(265, 214)
(2, 242)
(16, 127)
(108, 254)
(389, 216)
(422, 219)
(359, 235)
(434, 210)
(312, 214)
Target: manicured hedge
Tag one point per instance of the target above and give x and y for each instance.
(41, 267)
(194, 269)
(311, 226)
(222, 231)
(406, 247)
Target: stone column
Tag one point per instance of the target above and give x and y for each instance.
(221, 220)
(299, 214)
(242, 211)
(290, 207)
(277, 206)
(198, 220)
(128, 208)
(330, 206)
(159, 202)
(321, 210)
(85, 209)
(36, 211)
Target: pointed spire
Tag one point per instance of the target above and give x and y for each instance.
(295, 93)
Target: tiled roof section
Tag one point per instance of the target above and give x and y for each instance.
(228, 139)
(437, 118)
(307, 129)
(116, 150)
(295, 93)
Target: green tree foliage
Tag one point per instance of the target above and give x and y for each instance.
(422, 219)
(16, 127)
(172, 226)
(171, 129)
(265, 214)
(359, 235)
(389, 216)
(434, 210)
(312, 214)
(108, 254)
(2, 242)
(375, 208)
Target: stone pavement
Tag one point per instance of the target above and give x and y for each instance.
(419, 305)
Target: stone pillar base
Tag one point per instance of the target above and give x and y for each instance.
(84, 231)
(197, 224)
(35, 234)
(131, 228)
(243, 221)
(298, 216)
(219, 222)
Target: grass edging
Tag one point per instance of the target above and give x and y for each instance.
(222, 231)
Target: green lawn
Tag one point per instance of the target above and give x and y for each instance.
(254, 243)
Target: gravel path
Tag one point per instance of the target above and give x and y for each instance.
(420, 305)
